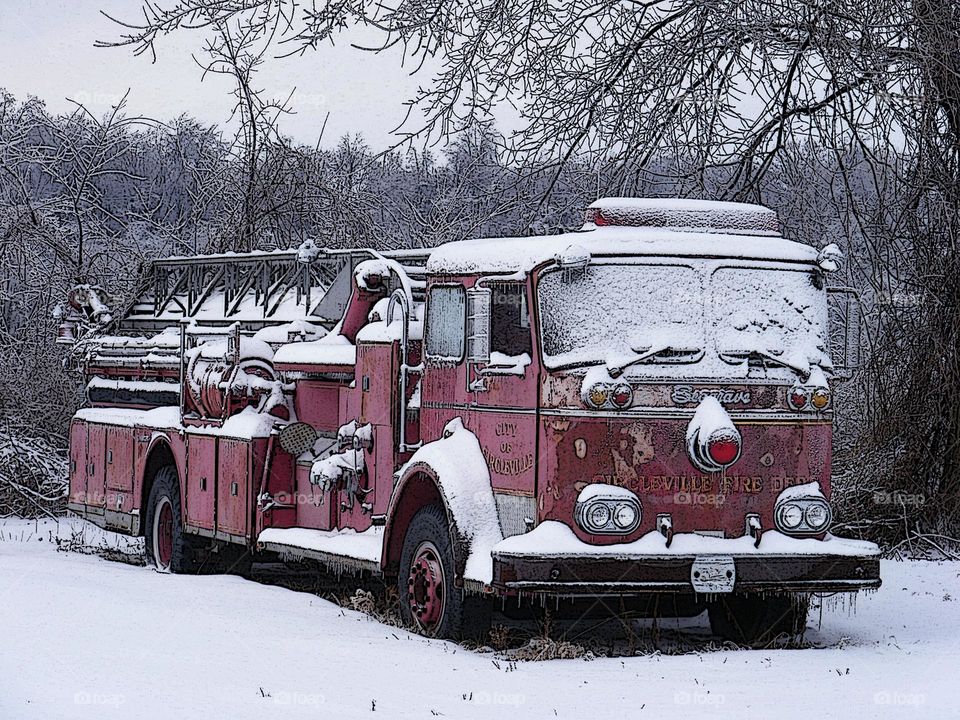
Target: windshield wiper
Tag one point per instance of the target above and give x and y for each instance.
(653, 353)
(735, 357)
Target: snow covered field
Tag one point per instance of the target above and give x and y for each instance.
(81, 637)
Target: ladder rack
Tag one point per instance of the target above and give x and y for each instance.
(255, 289)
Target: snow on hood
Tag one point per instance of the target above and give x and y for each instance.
(464, 481)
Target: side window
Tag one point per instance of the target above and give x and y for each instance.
(445, 322)
(510, 320)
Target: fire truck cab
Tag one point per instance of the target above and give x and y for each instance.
(639, 410)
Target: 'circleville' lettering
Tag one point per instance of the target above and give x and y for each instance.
(508, 466)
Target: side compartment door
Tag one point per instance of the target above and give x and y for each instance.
(233, 486)
(79, 466)
(201, 482)
(119, 474)
(97, 466)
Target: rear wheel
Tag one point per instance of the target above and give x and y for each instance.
(758, 621)
(168, 549)
(429, 600)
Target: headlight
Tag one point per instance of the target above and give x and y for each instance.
(791, 515)
(598, 515)
(802, 515)
(817, 516)
(607, 510)
(625, 516)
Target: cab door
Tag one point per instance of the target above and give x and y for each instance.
(503, 402)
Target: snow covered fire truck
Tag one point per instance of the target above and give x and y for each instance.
(638, 411)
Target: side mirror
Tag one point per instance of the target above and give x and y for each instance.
(479, 300)
(844, 328)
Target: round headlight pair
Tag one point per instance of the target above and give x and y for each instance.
(601, 515)
(609, 515)
(803, 515)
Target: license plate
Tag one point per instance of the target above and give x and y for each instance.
(713, 574)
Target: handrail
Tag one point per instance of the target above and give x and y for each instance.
(400, 297)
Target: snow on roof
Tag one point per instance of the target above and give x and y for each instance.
(682, 213)
(522, 254)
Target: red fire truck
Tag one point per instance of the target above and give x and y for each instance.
(639, 410)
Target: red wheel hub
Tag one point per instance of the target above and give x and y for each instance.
(163, 534)
(425, 586)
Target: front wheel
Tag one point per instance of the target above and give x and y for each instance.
(167, 547)
(757, 621)
(430, 602)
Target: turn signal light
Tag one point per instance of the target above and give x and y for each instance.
(598, 395)
(797, 398)
(622, 395)
(820, 398)
(601, 395)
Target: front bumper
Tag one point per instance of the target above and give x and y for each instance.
(586, 576)
(787, 565)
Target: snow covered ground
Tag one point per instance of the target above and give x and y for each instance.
(82, 637)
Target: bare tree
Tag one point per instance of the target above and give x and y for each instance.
(717, 98)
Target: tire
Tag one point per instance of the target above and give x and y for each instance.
(430, 602)
(168, 548)
(757, 621)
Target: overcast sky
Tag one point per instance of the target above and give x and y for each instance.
(47, 51)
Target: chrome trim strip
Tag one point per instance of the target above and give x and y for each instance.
(476, 408)
(758, 415)
(651, 413)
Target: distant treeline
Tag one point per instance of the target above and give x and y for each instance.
(89, 198)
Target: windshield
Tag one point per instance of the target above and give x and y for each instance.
(770, 313)
(661, 319)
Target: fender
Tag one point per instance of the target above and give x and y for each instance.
(451, 472)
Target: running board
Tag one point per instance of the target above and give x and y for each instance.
(338, 549)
